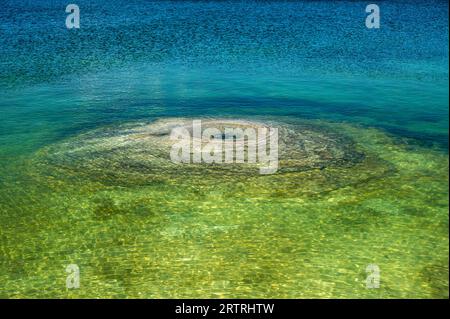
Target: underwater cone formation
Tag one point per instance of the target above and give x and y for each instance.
(314, 158)
(139, 153)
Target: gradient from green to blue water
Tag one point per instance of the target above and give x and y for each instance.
(313, 59)
(134, 60)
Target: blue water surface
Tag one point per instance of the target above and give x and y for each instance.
(142, 59)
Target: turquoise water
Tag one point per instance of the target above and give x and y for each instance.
(312, 61)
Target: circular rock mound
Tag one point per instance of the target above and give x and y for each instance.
(140, 152)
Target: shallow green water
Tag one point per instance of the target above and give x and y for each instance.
(304, 234)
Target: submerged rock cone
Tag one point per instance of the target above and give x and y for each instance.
(142, 150)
